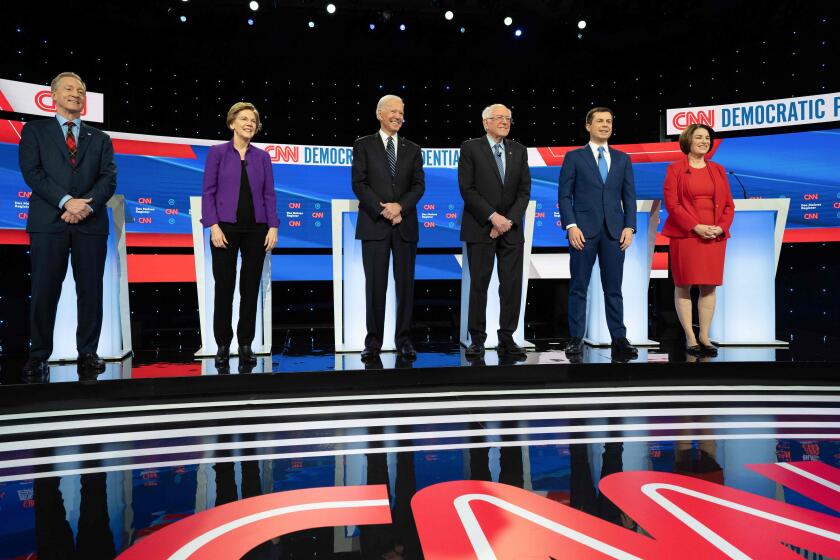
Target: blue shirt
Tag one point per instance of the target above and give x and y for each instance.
(504, 156)
(63, 122)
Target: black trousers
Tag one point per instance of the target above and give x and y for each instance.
(510, 260)
(252, 246)
(49, 253)
(376, 256)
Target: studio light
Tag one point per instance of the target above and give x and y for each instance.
(183, 19)
(402, 27)
(311, 24)
(508, 20)
(449, 15)
(582, 24)
(372, 26)
(518, 33)
(250, 21)
(254, 5)
(330, 8)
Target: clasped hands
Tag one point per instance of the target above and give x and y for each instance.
(76, 210)
(219, 240)
(577, 240)
(708, 232)
(391, 211)
(501, 225)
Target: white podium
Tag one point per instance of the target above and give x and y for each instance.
(637, 264)
(349, 307)
(492, 317)
(746, 302)
(205, 284)
(115, 337)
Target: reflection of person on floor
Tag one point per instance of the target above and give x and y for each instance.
(226, 493)
(398, 540)
(53, 535)
(510, 465)
(698, 460)
(584, 492)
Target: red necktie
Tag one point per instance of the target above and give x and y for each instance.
(71, 142)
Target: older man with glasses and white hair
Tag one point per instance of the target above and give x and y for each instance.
(495, 183)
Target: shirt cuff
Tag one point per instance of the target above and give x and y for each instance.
(570, 226)
(63, 201)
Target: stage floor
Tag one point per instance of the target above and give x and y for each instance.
(546, 458)
(305, 350)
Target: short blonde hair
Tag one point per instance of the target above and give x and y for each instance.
(242, 106)
(54, 82)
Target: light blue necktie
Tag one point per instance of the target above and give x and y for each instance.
(390, 153)
(497, 148)
(602, 164)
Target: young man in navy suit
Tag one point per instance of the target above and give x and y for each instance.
(70, 168)
(597, 200)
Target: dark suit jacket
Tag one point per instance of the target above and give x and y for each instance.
(682, 217)
(45, 165)
(372, 183)
(587, 201)
(485, 192)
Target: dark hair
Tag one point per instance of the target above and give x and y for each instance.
(685, 137)
(594, 110)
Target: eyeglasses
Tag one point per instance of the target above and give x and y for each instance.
(500, 118)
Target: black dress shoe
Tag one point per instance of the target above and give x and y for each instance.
(35, 371)
(474, 350)
(222, 357)
(369, 355)
(574, 346)
(696, 350)
(622, 347)
(91, 363)
(510, 348)
(246, 355)
(708, 350)
(407, 350)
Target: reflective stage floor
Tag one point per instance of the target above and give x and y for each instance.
(661, 458)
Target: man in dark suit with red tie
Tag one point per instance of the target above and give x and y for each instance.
(597, 201)
(495, 183)
(70, 168)
(388, 180)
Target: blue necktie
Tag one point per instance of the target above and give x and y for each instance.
(392, 156)
(497, 148)
(602, 164)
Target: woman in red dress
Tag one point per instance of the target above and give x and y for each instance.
(700, 211)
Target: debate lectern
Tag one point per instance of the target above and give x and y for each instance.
(349, 307)
(637, 264)
(115, 337)
(745, 314)
(492, 317)
(205, 284)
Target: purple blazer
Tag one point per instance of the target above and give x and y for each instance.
(220, 187)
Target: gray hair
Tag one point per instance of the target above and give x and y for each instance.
(485, 114)
(54, 82)
(385, 99)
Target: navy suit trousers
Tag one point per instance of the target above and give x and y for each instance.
(611, 261)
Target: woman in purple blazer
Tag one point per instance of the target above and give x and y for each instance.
(239, 206)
